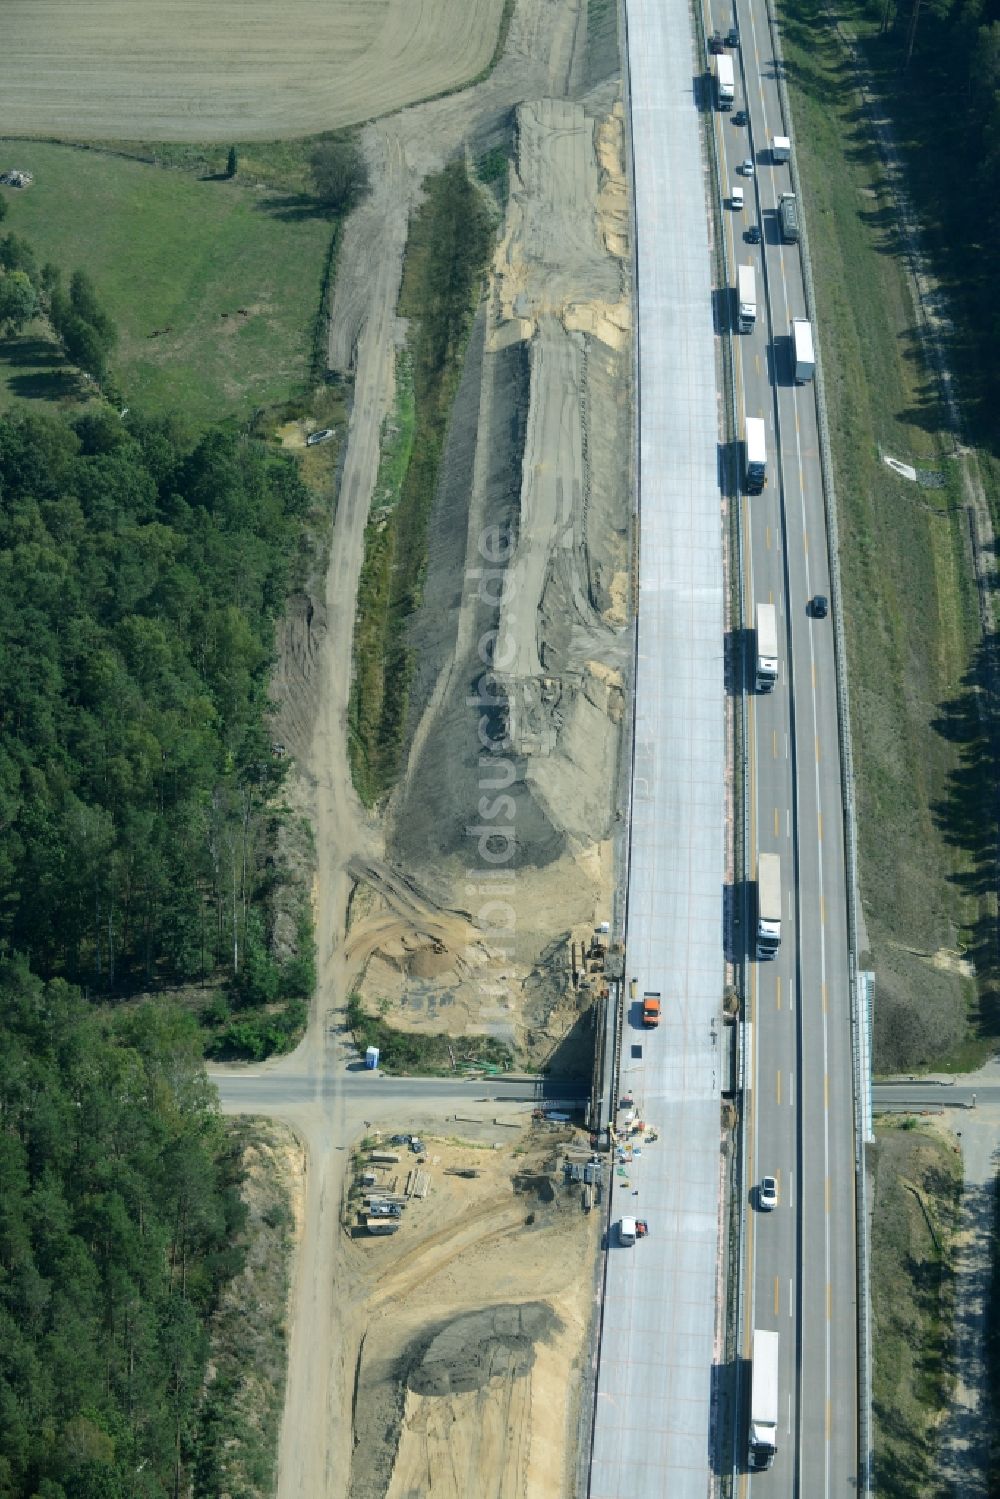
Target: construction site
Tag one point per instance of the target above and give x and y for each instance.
(461, 1371)
(477, 901)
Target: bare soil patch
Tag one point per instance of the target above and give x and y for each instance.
(476, 1319)
(512, 841)
(177, 71)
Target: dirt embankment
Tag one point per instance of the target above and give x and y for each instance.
(506, 813)
(465, 1384)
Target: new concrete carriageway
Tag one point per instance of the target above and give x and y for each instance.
(652, 1417)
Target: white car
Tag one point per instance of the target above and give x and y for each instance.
(745, 168)
(736, 199)
(323, 435)
(767, 1196)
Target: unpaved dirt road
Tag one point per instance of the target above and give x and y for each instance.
(231, 70)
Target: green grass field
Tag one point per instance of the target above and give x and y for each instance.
(214, 285)
(909, 596)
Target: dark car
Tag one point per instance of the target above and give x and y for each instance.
(740, 117)
(752, 235)
(819, 607)
(715, 42)
(732, 37)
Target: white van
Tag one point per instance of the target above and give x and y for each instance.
(736, 199)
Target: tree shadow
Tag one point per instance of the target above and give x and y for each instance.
(45, 385)
(294, 208)
(30, 350)
(968, 816)
(43, 373)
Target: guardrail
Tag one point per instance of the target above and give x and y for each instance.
(847, 789)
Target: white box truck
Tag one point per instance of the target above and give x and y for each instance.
(767, 647)
(756, 446)
(788, 217)
(746, 297)
(768, 905)
(803, 357)
(781, 149)
(763, 1399)
(725, 83)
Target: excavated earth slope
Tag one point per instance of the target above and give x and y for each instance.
(507, 810)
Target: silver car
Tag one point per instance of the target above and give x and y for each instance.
(767, 1196)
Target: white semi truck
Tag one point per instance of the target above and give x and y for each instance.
(725, 83)
(746, 297)
(756, 446)
(803, 355)
(767, 647)
(768, 905)
(763, 1399)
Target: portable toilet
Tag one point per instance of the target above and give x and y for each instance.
(371, 1058)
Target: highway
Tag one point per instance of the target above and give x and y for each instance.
(800, 1260)
(659, 1344)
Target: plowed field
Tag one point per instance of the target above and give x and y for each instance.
(232, 70)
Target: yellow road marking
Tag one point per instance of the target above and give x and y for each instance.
(767, 538)
(805, 540)
(826, 1109)
(774, 743)
(777, 1086)
(817, 749)
(819, 819)
(823, 992)
(775, 822)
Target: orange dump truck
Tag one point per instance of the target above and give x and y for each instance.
(650, 1009)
